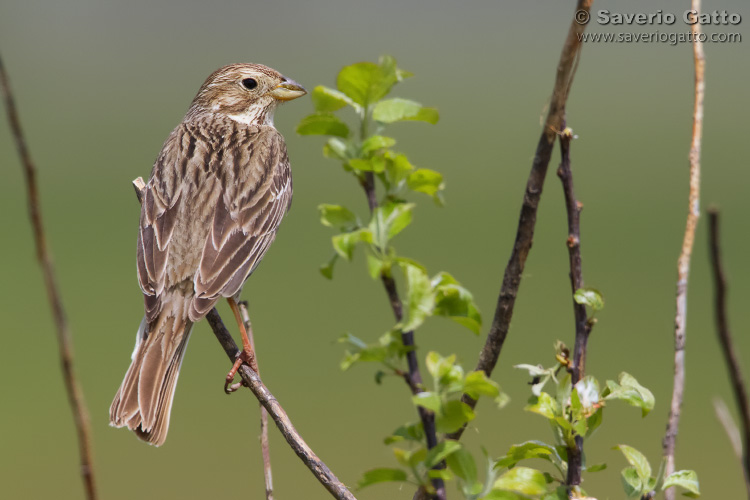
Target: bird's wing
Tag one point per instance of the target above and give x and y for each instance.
(160, 203)
(257, 191)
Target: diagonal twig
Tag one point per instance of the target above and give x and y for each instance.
(582, 323)
(65, 342)
(267, 400)
(506, 300)
(277, 413)
(727, 345)
(683, 264)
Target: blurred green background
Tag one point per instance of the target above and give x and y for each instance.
(100, 84)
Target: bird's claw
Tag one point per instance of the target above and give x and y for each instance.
(243, 357)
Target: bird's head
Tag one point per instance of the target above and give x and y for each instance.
(248, 93)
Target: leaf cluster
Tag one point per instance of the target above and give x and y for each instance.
(449, 381)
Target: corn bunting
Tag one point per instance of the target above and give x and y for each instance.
(210, 210)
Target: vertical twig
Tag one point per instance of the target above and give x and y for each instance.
(65, 343)
(566, 68)
(683, 264)
(413, 377)
(277, 413)
(582, 323)
(264, 447)
(725, 340)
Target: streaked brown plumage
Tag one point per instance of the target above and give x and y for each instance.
(216, 196)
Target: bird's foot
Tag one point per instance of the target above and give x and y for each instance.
(246, 357)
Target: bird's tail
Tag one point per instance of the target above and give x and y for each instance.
(144, 401)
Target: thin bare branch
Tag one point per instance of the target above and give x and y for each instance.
(277, 413)
(264, 446)
(566, 68)
(726, 342)
(683, 264)
(582, 323)
(65, 342)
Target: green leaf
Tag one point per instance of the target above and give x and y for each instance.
(411, 432)
(544, 405)
(629, 390)
(336, 148)
(326, 99)
(687, 479)
(632, 483)
(322, 124)
(637, 460)
(376, 164)
(440, 452)
(362, 352)
(365, 82)
(327, 268)
(578, 420)
(390, 70)
(397, 168)
(374, 266)
(433, 362)
(453, 416)
(456, 302)
(389, 220)
(596, 468)
(397, 109)
(402, 456)
(381, 476)
(425, 181)
(429, 115)
(522, 480)
(449, 376)
(398, 218)
(594, 421)
(344, 243)
(429, 400)
(337, 216)
(393, 110)
(463, 465)
(526, 451)
(589, 297)
(375, 142)
(476, 384)
(420, 297)
(417, 457)
(443, 474)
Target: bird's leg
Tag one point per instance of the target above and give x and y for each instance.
(247, 355)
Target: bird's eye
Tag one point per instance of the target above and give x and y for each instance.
(249, 83)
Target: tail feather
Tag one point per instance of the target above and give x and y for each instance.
(144, 401)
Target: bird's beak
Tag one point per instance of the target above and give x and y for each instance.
(288, 90)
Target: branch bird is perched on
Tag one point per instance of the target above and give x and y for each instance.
(216, 196)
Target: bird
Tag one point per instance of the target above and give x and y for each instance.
(211, 208)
